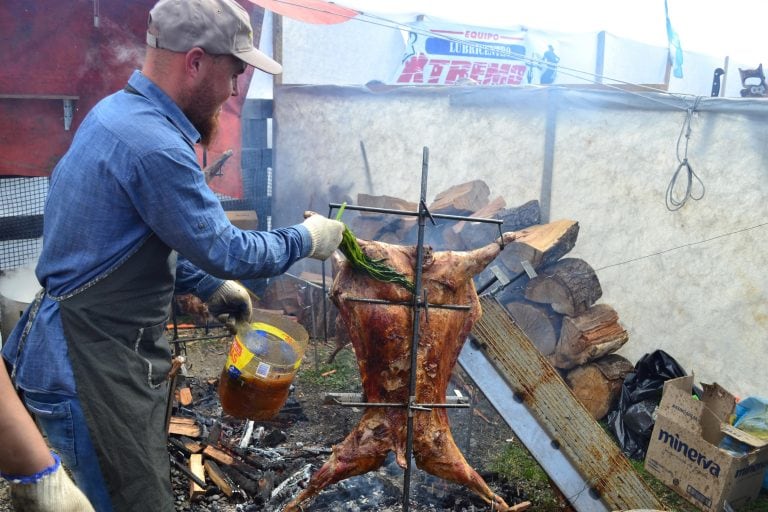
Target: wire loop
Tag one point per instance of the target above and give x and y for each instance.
(676, 202)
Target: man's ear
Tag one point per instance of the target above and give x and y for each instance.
(193, 61)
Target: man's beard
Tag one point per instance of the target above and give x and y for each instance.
(203, 114)
(205, 123)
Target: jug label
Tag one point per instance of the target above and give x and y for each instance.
(239, 356)
(263, 370)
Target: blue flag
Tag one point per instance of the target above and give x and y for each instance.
(675, 50)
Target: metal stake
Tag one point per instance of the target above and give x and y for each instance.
(418, 302)
(415, 338)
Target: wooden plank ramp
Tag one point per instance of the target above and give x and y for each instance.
(538, 386)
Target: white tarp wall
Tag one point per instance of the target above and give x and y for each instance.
(692, 282)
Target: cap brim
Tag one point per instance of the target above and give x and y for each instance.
(259, 60)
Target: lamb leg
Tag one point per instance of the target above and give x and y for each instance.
(438, 455)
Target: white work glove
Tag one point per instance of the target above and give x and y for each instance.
(50, 490)
(230, 304)
(326, 235)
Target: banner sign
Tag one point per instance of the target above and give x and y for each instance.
(449, 54)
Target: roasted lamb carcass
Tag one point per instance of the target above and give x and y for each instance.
(381, 336)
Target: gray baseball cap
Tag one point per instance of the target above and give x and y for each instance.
(217, 26)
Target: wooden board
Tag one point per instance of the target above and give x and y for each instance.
(539, 385)
(218, 455)
(184, 427)
(243, 219)
(197, 469)
(221, 480)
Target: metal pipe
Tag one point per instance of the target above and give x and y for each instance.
(345, 398)
(373, 209)
(420, 303)
(415, 406)
(415, 338)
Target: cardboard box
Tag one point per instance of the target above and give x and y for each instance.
(243, 219)
(685, 451)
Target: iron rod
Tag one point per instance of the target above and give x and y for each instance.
(415, 339)
(421, 407)
(373, 209)
(200, 338)
(409, 304)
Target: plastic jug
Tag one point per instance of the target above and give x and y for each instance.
(262, 362)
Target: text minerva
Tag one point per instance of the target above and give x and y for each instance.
(690, 453)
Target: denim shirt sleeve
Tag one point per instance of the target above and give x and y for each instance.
(169, 190)
(190, 279)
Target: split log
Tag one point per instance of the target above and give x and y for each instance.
(373, 225)
(539, 322)
(597, 385)
(218, 455)
(190, 445)
(197, 469)
(247, 484)
(462, 199)
(515, 219)
(541, 245)
(455, 235)
(365, 226)
(388, 202)
(184, 395)
(184, 427)
(587, 337)
(527, 214)
(570, 285)
(222, 481)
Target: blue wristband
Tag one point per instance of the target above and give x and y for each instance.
(33, 479)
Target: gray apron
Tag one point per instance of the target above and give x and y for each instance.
(120, 359)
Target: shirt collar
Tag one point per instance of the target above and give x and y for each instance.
(153, 93)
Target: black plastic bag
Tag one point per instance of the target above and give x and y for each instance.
(632, 419)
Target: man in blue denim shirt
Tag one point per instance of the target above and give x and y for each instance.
(128, 196)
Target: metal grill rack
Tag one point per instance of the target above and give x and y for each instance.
(418, 303)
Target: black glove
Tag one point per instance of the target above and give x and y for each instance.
(231, 304)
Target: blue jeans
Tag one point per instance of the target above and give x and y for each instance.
(63, 423)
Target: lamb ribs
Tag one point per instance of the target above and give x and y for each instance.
(381, 337)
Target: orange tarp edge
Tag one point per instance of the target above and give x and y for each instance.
(309, 11)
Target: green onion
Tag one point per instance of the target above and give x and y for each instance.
(376, 269)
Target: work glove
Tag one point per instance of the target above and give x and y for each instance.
(50, 490)
(326, 235)
(230, 304)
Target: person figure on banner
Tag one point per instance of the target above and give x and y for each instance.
(551, 61)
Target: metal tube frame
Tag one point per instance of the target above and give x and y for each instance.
(417, 304)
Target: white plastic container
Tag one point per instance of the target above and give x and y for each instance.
(17, 291)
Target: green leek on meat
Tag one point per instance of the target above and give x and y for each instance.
(377, 269)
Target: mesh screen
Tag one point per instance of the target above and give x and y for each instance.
(21, 220)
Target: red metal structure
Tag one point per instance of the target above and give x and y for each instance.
(58, 59)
